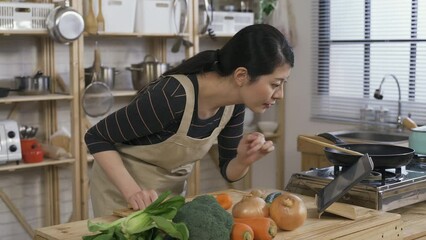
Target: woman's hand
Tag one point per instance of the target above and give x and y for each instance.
(253, 147)
(141, 199)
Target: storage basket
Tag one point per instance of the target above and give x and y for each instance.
(156, 17)
(119, 15)
(228, 23)
(24, 16)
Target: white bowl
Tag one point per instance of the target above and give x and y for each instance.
(267, 127)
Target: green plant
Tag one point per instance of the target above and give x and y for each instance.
(266, 7)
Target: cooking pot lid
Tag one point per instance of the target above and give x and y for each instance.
(419, 129)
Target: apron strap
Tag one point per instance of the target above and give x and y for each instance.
(190, 103)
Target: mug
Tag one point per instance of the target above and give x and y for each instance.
(31, 151)
(33, 156)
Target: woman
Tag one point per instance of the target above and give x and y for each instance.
(150, 146)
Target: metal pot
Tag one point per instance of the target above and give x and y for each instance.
(146, 71)
(64, 24)
(417, 140)
(107, 76)
(33, 85)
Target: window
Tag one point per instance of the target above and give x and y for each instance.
(359, 43)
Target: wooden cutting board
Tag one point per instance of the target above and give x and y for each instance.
(368, 223)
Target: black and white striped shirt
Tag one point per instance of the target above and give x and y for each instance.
(155, 115)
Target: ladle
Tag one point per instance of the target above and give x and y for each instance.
(324, 144)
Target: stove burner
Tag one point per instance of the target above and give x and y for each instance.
(374, 176)
(377, 177)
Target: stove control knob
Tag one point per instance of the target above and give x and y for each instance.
(11, 134)
(13, 148)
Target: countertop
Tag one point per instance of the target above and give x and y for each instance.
(404, 223)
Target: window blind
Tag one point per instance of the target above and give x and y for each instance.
(357, 44)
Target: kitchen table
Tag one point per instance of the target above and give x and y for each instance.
(371, 225)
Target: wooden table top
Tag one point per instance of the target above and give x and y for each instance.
(405, 223)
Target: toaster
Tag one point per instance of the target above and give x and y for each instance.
(10, 142)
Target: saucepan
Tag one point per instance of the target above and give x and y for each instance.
(107, 75)
(383, 155)
(33, 85)
(146, 71)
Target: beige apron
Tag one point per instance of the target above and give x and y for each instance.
(162, 166)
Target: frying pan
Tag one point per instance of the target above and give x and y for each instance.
(383, 155)
(4, 92)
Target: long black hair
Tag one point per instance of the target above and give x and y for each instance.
(260, 48)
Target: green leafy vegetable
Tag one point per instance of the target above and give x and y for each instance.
(152, 223)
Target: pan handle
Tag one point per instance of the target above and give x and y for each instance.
(331, 137)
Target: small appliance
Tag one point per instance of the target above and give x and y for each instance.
(10, 142)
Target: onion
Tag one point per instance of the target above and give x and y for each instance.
(250, 206)
(288, 211)
(258, 193)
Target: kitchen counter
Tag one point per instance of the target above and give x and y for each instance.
(405, 223)
(413, 221)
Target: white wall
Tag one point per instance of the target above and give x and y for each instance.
(297, 103)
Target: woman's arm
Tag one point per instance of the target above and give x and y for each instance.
(131, 125)
(236, 151)
(112, 164)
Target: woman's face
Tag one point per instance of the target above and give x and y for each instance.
(263, 93)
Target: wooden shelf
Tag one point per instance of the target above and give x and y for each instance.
(217, 35)
(24, 32)
(124, 93)
(31, 98)
(12, 166)
(112, 34)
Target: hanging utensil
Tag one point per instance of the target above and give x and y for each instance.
(90, 19)
(182, 27)
(100, 18)
(97, 98)
(64, 24)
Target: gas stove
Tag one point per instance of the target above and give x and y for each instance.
(384, 189)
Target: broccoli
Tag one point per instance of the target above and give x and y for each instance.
(205, 219)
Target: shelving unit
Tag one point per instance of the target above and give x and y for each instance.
(47, 104)
(46, 162)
